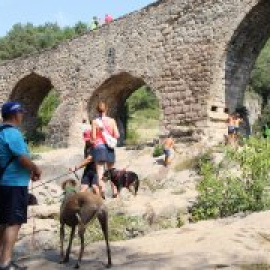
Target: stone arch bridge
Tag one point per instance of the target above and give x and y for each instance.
(196, 55)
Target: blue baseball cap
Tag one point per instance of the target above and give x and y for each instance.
(11, 107)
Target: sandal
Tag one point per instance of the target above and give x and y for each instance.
(13, 266)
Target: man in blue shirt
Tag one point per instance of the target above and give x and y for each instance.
(16, 170)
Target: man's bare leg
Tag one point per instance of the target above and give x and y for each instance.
(2, 230)
(10, 236)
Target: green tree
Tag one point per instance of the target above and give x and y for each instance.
(47, 108)
(260, 79)
(27, 39)
(142, 99)
(80, 28)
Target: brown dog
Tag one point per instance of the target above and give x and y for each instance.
(78, 209)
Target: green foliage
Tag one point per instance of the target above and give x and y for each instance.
(132, 137)
(263, 120)
(142, 99)
(222, 194)
(45, 114)
(142, 116)
(27, 39)
(260, 80)
(80, 28)
(120, 228)
(158, 150)
(48, 107)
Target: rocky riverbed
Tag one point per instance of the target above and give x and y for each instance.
(151, 230)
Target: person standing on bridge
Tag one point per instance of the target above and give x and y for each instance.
(94, 24)
(108, 18)
(103, 154)
(16, 169)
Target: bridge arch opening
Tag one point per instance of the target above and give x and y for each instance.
(120, 92)
(242, 52)
(40, 100)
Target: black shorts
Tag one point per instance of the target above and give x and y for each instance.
(102, 153)
(13, 205)
(89, 178)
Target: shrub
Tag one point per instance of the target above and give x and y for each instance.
(143, 98)
(47, 108)
(158, 150)
(224, 194)
(263, 120)
(132, 137)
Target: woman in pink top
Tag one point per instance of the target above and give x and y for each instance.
(102, 154)
(108, 18)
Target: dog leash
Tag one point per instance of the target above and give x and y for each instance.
(33, 242)
(52, 180)
(76, 175)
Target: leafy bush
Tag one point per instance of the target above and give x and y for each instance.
(47, 108)
(263, 120)
(26, 39)
(158, 150)
(132, 137)
(260, 80)
(193, 162)
(141, 99)
(223, 194)
(45, 114)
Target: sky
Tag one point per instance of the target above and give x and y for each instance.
(64, 12)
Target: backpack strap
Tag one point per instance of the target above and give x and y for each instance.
(105, 126)
(12, 158)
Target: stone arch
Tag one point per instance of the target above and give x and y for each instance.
(31, 91)
(243, 50)
(115, 91)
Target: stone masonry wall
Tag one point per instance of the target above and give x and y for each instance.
(194, 54)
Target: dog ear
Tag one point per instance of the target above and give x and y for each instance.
(64, 185)
(73, 183)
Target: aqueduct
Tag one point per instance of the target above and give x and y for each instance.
(196, 55)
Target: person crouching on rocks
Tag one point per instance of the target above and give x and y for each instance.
(89, 178)
(168, 148)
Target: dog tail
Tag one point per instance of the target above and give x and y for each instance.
(136, 186)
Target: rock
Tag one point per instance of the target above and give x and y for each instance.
(41, 241)
(39, 225)
(204, 245)
(45, 211)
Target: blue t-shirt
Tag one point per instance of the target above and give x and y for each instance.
(12, 143)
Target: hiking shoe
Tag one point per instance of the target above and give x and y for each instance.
(13, 266)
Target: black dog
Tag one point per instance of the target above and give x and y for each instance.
(123, 179)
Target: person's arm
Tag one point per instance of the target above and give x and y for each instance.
(28, 164)
(83, 164)
(115, 130)
(18, 148)
(94, 130)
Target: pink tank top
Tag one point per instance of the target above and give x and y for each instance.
(106, 123)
